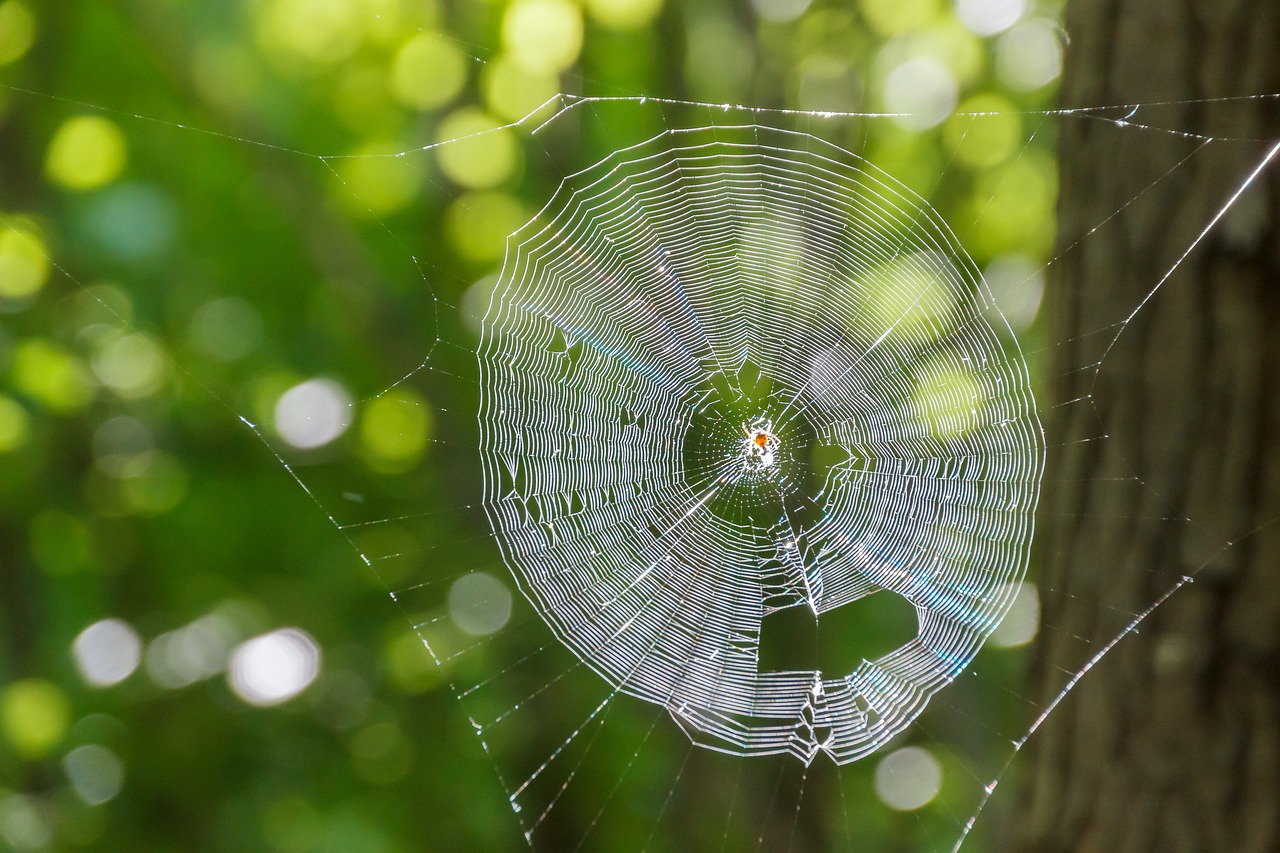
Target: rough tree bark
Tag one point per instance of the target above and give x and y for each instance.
(1173, 742)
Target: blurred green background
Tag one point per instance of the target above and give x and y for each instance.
(173, 256)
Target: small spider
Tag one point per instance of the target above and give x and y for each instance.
(760, 445)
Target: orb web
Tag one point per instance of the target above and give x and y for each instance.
(731, 371)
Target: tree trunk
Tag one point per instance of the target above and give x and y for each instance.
(1173, 741)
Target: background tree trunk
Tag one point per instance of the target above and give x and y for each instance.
(1173, 741)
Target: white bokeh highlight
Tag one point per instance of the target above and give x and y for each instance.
(920, 93)
(479, 604)
(1022, 622)
(107, 652)
(908, 778)
(989, 17)
(275, 667)
(192, 653)
(313, 413)
(1029, 55)
(96, 773)
(25, 822)
(1017, 284)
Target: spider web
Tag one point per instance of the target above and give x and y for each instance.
(741, 273)
(704, 286)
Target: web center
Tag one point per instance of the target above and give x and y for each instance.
(759, 446)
